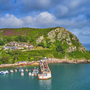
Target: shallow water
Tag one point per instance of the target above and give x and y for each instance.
(64, 77)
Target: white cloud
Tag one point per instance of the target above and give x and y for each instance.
(44, 19)
(78, 26)
(10, 21)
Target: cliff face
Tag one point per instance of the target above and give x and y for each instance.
(64, 37)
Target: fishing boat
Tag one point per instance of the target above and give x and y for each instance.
(29, 69)
(32, 74)
(7, 71)
(11, 71)
(4, 72)
(15, 70)
(26, 69)
(35, 74)
(22, 74)
(29, 74)
(22, 70)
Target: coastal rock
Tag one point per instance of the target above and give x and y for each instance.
(51, 34)
(68, 41)
(82, 48)
(40, 39)
(72, 48)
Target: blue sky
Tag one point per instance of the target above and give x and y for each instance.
(74, 15)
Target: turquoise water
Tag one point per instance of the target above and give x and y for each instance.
(64, 77)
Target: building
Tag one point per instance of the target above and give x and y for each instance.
(10, 47)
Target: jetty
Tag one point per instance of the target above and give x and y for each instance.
(45, 71)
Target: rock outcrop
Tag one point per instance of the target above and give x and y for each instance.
(64, 36)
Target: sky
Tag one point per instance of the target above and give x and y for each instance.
(74, 15)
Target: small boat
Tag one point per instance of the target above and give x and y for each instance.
(32, 74)
(29, 69)
(22, 70)
(4, 72)
(22, 74)
(35, 74)
(11, 71)
(15, 70)
(29, 74)
(26, 70)
(17, 67)
(7, 71)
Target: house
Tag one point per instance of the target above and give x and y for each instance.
(30, 47)
(22, 44)
(10, 47)
(13, 43)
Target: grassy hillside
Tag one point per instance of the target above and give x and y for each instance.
(49, 42)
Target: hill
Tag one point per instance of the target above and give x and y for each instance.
(49, 42)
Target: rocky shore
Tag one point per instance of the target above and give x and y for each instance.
(48, 61)
(17, 64)
(68, 61)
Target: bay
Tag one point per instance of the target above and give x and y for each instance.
(64, 77)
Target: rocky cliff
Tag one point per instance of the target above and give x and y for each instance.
(64, 37)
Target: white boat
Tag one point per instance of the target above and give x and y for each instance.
(29, 74)
(4, 72)
(32, 74)
(22, 74)
(44, 76)
(26, 70)
(7, 71)
(11, 71)
(22, 70)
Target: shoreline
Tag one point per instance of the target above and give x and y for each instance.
(50, 61)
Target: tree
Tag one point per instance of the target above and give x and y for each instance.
(1, 42)
(41, 44)
(60, 48)
(5, 59)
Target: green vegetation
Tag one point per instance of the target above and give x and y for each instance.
(57, 49)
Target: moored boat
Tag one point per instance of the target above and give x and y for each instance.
(26, 69)
(11, 71)
(29, 74)
(4, 72)
(32, 74)
(22, 74)
(15, 70)
(22, 70)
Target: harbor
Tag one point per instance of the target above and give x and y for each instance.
(64, 77)
(42, 74)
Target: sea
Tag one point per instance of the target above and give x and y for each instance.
(64, 77)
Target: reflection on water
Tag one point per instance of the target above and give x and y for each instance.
(45, 84)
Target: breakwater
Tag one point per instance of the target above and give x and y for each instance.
(45, 71)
